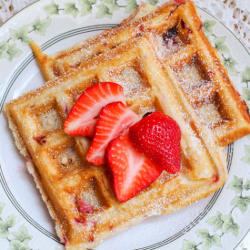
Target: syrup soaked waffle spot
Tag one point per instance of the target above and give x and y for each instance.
(50, 121)
(90, 198)
(68, 159)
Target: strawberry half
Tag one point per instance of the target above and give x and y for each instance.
(158, 137)
(83, 116)
(132, 171)
(113, 120)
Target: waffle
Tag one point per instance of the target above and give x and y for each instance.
(207, 91)
(171, 68)
(54, 66)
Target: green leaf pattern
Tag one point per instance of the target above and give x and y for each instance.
(103, 11)
(52, 9)
(241, 202)
(207, 26)
(247, 185)
(22, 235)
(220, 45)
(209, 240)
(21, 34)
(86, 6)
(131, 6)
(236, 184)
(189, 245)
(5, 225)
(17, 245)
(2, 205)
(245, 75)
(246, 159)
(111, 5)
(246, 94)
(216, 221)
(229, 225)
(70, 9)
(107, 8)
(3, 50)
(229, 63)
(21, 238)
(152, 2)
(41, 26)
(13, 52)
(9, 50)
(225, 223)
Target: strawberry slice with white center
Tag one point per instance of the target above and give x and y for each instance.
(114, 118)
(83, 116)
(132, 171)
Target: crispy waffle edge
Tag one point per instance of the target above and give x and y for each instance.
(32, 170)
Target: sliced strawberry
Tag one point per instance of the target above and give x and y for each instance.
(132, 171)
(113, 120)
(158, 137)
(83, 116)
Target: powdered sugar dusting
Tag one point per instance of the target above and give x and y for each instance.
(133, 84)
(209, 114)
(167, 46)
(201, 91)
(190, 77)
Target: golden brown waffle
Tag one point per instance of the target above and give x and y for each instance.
(181, 76)
(53, 66)
(199, 76)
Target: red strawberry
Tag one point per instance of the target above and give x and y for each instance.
(158, 137)
(82, 118)
(132, 171)
(113, 120)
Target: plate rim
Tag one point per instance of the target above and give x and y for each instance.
(43, 46)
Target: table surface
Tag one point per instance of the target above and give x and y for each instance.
(233, 13)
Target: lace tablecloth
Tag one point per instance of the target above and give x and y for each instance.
(233, 13)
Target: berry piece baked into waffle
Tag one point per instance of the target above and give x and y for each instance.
(166, 65)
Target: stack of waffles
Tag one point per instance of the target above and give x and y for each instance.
(163, 61)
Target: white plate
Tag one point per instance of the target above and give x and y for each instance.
(219, 221)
